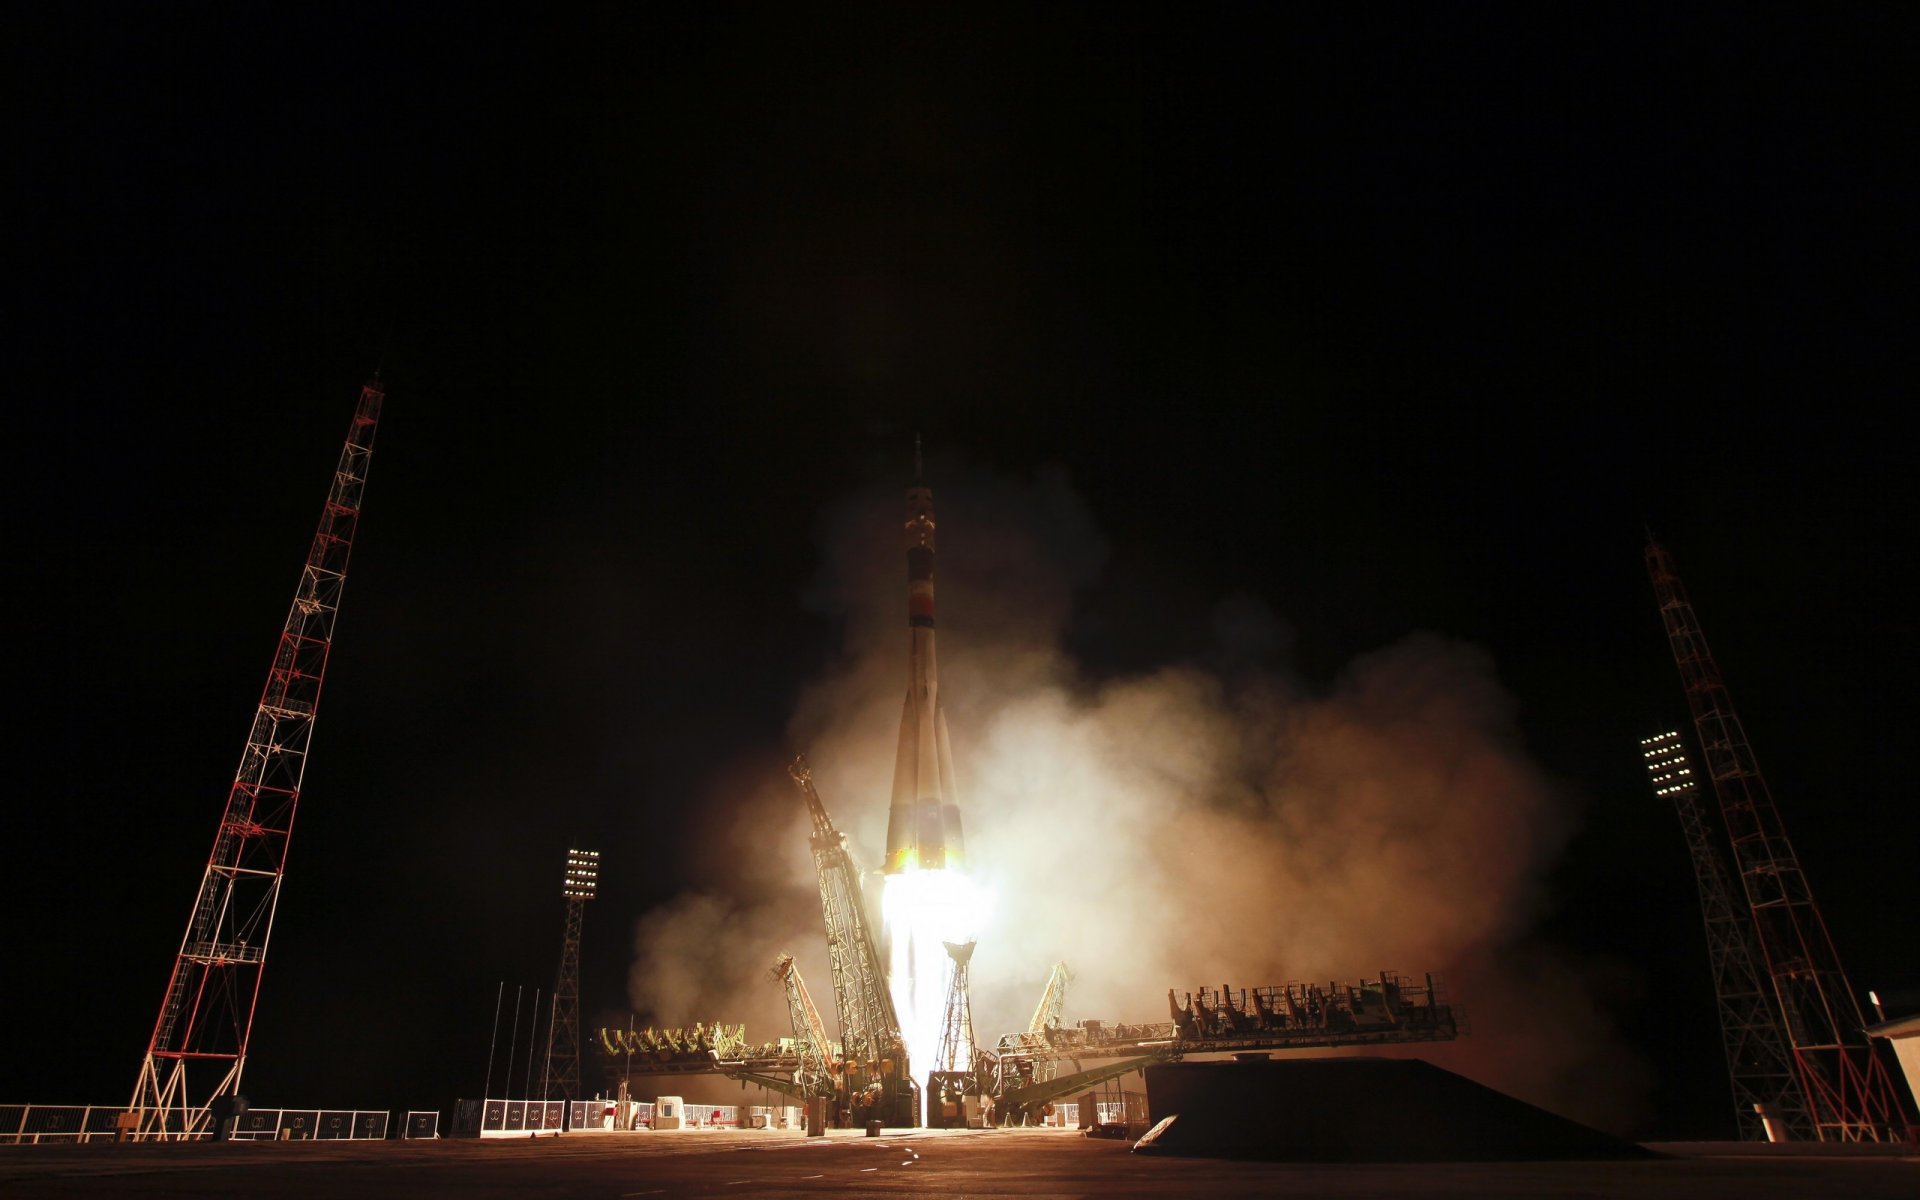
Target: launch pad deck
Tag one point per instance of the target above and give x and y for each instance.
(1027, 1162)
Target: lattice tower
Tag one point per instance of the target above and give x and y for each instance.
(1851, 1096)
(956, 1025)
(869, 1025)
(1046, 1015)
(815, 1073)
(198, 1048)
(580, 884)
(1759, 1058)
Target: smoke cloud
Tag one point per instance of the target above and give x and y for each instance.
(1173, 828)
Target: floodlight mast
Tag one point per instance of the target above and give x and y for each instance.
(198, 1048)
(1765, 1086)
(579, 885)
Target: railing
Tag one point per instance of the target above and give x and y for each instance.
(712, 1116)
(300, 1124)
(1289, 1017)
(523, 1118)
(503, 1118)
(40, 1124)
(774, 1116)
(615, 1116)
(34, 1124)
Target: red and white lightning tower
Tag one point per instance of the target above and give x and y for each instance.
(199, 1044)
(1850, 1094)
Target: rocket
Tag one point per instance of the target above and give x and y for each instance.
(923, 819)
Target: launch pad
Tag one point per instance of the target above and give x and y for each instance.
(900, 1061)
(995, 1162)
(1024, 1073)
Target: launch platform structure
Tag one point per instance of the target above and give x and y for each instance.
(1046, 1015)
(579, 885)
(1389, 1010)
(1759, 1062)
(872, 1047)
(198, 1048)
(1850, 1094)
(817, 1072)
(959, 1068)
(956, 1050)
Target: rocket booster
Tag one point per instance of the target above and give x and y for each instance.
(923, 819)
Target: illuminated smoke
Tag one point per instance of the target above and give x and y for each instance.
(1175, 827)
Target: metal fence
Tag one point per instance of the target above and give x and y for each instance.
(521, 1118)
(420, 1124)
(301, 1124)
(616, 1115)
(503, 1118)
(35, 1124)
(40, 1124)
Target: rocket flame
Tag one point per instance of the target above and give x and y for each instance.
(921, 910)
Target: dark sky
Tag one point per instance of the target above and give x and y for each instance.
(1399, 321)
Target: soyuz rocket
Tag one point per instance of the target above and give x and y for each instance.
(923, 819)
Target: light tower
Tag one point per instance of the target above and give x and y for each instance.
(1850, 1094)
(198, 1048)
(578, 886)
(1759, 1063)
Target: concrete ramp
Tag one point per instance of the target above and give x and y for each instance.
(1354, 1110)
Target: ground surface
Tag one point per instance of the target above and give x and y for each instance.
(1026, 1163)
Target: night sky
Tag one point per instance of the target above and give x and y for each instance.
(1392, 322)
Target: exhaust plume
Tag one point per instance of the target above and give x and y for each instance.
(1171, 828)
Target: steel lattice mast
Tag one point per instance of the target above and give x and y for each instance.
(1046, 1015)
(1850, 1094)
(198, 1049)
(956, 1049)
(1053, 1000)
(815, 1071)
(870, 1037)
(1759, 1062)
(563, 1032)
